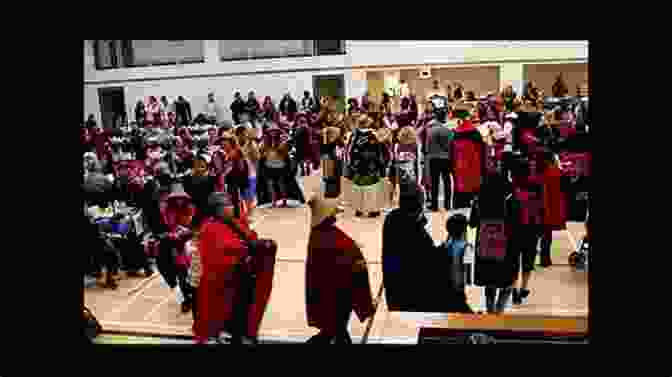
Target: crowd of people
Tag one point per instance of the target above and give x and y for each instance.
(182, 191)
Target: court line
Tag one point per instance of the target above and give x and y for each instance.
(571, 239)
(130, 301)
(157, 306)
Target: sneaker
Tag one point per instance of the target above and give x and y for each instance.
(522, 296)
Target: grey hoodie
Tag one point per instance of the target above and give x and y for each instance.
(439, 140)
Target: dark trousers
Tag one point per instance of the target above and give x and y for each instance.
(133, 254)
(525, 239)
(440, 169)
(276, 179)
(546, 240)
(340, 332)
(106, 257)
(165, 262)
(463, 199)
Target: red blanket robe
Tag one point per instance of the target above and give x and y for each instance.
(221, 250)
(335, 263)
(469, 159)
(555, 210)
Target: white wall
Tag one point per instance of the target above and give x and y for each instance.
(275, 76)
(390, 53)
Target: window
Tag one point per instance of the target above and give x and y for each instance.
(329, 47)
(263, 49)
(111, 54)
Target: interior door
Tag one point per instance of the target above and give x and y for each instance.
(112, 105)
(331, 85)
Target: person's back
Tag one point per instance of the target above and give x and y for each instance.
(439, 138)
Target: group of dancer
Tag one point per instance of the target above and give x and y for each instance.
(198, 185)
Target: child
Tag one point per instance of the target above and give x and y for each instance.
(456, 247)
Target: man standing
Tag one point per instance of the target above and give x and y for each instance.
(252, 105)
(288, 106)
(183, 111)
(307, 102)
(237, 107)
(211, 109)
(438, 153)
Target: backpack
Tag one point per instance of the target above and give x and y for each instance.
(92, 327)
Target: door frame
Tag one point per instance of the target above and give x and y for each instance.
(340, 77)
(102, 92)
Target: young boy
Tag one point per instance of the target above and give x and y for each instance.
(458, 250)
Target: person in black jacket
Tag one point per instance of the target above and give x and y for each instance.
(183, 111)
(288, 106)
(252, 105)
(237, 107)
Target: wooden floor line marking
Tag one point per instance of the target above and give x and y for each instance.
(124, 306)
(157, 306)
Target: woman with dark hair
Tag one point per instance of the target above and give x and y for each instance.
(268, 109)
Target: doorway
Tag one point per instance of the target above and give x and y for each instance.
(112, 106)
(331, 85)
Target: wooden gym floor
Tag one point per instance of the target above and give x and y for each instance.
(147, 306)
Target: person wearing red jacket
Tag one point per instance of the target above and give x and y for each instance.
(236, 275)
(337, 279)
(469, 161)
(177, 214)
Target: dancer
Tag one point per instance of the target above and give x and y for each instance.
(406, 160)
(275, 157)
(337, 278)
(492, 216)
(177, 216)
(367, 169)
(468, 159)
(250, 150)
(236, 269)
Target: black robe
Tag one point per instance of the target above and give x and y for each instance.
(492, 205)
(415, 271)
(294, 191)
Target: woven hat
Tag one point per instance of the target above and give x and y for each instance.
(321, 209)
(177, 191)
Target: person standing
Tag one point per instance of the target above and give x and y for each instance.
(307, 102)
(140, 113)
(236, 270)
(439, 140)
(252, 105)
(337, 278)
(211, 109)
(288, 107)
(468, 159)
(237, 107)
(183, 111)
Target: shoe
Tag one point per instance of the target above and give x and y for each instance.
(490, 304)
(503, 299)
(516, 296)
(522, 296)
(358, 214)
(374, 214)
(111, 284)
(149, 272)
